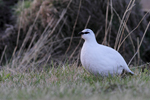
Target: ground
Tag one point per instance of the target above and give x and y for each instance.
(72, 83)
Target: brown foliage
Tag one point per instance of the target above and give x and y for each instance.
(48, 27)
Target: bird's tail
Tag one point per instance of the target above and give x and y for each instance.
(129, 71)
(132, 73)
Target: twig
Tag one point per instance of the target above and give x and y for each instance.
(48, 25)
(80, 39)
(18, 34)
(140, 66)
(61, 17)
(3, 54)
(106, 19)
(138, 56)
(122, 24)
(60, 29)
(132, 30)
(87, 22)
(28, 33)
(34, 36)
(59, 20)
(74, 27)
(110, 23)
(139, 44)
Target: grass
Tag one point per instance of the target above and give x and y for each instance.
(72, 83)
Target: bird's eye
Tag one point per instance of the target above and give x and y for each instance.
(86, 32)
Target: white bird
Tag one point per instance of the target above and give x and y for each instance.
(99, 59)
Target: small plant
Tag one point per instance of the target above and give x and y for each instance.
(22, 6)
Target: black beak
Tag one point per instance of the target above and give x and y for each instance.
(80, 33)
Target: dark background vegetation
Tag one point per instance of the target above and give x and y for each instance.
(17, 17)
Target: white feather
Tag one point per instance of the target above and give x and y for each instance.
(100, 59)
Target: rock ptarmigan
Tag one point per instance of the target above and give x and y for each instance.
(99, 59)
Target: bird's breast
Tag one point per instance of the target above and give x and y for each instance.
(89, 59)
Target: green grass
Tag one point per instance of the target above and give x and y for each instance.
(72, 83)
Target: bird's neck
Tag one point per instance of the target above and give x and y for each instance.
(91, 42)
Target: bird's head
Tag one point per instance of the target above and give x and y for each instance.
(87, 34)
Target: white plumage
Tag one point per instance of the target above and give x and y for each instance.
(99, 59)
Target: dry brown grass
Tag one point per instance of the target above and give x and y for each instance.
(47, 30)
